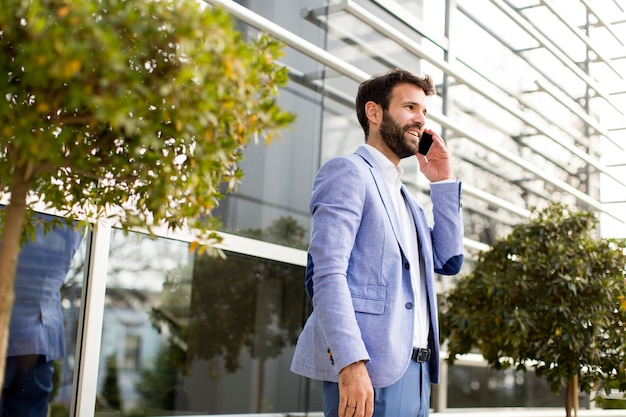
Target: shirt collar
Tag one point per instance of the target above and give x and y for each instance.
(391, 172)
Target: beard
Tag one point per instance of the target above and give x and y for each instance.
(394, 136)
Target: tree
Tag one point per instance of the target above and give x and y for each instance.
(158, 385)
(137, 110)
(111, 390)
(549, 296)
(237, 304)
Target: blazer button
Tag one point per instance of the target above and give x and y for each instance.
(406, 265)
(409, 306)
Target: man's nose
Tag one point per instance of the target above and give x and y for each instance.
(419, 118)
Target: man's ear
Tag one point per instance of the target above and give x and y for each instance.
(374, 112)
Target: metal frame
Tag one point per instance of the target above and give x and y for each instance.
(587, 119)
(505, 7)
(91, 321)
(410, 45)
(581, 36)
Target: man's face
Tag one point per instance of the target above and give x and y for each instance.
(403, 122)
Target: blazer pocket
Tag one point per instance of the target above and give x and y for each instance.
(370, 299)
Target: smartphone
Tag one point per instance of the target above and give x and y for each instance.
(425, 143)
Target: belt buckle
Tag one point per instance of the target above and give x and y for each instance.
(420, 355)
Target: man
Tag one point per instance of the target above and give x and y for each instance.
(36, 332)
(373, 334)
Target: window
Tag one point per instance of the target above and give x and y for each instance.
(200, 334)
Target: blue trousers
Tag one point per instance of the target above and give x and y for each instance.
(27, 386)
(409, 397)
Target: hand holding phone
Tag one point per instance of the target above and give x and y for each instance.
(425, 143)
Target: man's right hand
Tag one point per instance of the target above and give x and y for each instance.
(356, 394)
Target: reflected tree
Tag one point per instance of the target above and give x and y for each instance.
(241, 303)
(159, 384)
(238, 304)
(284, 231)
(111, 391)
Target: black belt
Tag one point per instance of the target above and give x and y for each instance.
(420, 355)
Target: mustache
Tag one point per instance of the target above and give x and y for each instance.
(413, 126)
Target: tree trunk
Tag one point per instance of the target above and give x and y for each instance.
(9, 250)
(574, 383)
(571, 397)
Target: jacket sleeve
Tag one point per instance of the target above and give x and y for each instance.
(447, 232)
(336, 206)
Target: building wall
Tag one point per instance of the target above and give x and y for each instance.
(530, 100)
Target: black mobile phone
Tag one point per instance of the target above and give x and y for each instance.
(425, 143)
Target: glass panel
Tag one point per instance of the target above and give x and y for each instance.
(277, 178)
(479, 386)
(188, 334)
(44, 320)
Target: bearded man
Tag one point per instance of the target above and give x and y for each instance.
(373, 335)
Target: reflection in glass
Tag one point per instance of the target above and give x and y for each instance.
(478, 386)
(44, 321)
(197, 334)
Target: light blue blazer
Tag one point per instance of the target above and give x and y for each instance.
(358, 273)
(36, 326)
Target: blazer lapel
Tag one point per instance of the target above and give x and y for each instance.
(385, 196)
(422, 229)
(420, 222)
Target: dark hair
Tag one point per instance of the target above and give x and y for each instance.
(378, 89)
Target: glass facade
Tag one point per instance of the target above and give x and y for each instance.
(198, 334)
(531, 101)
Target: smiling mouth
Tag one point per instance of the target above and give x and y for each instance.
(414, 133)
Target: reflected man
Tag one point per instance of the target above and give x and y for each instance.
(36, 331)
